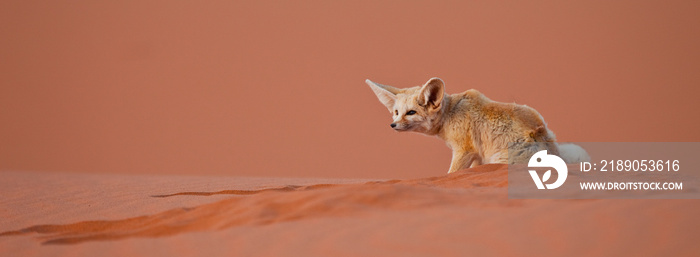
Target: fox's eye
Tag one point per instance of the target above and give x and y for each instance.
(396, 112)
(411, 112)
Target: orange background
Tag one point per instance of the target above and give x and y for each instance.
(253, 88)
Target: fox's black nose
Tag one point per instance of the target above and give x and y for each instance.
(393, 125)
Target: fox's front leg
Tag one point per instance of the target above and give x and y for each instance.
(462, 159)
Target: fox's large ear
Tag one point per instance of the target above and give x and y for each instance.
(431, 93)
(386, 94)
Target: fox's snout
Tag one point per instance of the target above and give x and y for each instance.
(400, 126)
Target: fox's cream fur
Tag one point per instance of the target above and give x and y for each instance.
(477, 129)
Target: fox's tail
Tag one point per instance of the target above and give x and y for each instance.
(572, 153)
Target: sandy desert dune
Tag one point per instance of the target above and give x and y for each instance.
(467, 213)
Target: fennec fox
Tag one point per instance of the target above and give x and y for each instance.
(477, 129)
